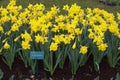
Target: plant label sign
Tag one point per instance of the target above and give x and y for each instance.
(37, 55)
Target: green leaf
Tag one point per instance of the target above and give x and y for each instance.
(118, 58)
(1, 74)
(12, 77)
(96, 66)
(117, 76)
(97, 78)
(58, 60)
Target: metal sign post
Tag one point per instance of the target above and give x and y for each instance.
(37, 55)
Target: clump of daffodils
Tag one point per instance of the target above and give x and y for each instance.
(34, 25)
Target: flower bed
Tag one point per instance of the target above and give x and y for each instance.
(75, 33)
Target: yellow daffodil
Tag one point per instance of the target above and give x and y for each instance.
(25, 45)
(74, 46)
(6, 45)
(83, 49)
(53, 46)
(102, 47)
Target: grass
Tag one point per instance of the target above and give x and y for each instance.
(60, 3)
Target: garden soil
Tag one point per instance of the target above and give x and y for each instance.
(86, 72)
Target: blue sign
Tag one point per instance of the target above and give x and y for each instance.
(37, 55)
